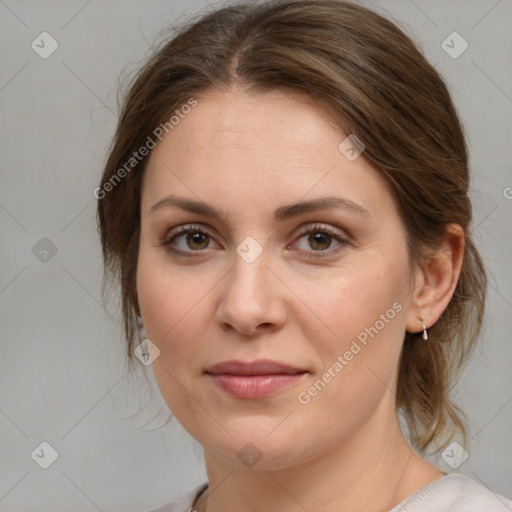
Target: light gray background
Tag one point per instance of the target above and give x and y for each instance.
(63, 378)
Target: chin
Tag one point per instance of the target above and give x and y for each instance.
(259, 456)
(251, 447)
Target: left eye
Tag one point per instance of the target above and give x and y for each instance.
(320, 239)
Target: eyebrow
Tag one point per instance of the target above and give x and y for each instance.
(281, 213)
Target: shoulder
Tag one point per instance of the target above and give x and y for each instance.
(184, 503)
(455, 493)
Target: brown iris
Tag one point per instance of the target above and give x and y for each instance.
(197, 238)
(319, 238)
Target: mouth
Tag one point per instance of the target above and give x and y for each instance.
(256, 379)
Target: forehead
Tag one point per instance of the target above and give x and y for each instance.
(230, 121)
(258, 149)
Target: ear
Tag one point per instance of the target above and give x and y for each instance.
(436, 281)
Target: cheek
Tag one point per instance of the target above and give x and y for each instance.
(364, 309)
(175, 311)
(360, 298)
(358, 369)
(154, 297)
(169, 309)
(162, 303)
(167, 295)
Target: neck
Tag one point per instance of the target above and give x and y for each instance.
(374, 471)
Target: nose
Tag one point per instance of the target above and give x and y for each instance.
(252, 300)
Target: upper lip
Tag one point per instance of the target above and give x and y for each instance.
(258, 367)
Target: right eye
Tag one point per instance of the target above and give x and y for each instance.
(187, 239)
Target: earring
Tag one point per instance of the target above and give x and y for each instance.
(425, 334)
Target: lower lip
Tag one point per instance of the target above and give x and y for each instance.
(255, 386)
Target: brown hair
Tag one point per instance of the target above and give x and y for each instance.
(379, 86)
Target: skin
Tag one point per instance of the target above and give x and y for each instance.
(248, 155)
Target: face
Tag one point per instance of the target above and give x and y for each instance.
(304, 305)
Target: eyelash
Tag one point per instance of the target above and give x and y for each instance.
(316, 228)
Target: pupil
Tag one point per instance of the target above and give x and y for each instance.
(320, 238)
(197, 238)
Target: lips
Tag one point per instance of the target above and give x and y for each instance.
(259, 367)
(255, 379)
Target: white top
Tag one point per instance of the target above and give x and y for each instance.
(452, 493)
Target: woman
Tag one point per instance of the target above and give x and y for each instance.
(285, 205)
